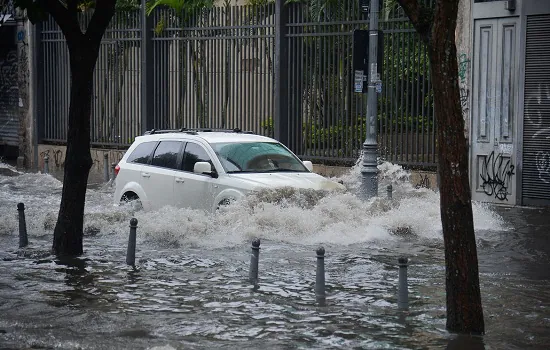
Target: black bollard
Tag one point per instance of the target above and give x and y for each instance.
(389, 190)
(254, 260)
(131, 252)
(403, 288)
(46, 165)
(106, 167)
(320, 294)
(23, 239)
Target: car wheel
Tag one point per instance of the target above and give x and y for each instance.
(225, 202)
(132, 199)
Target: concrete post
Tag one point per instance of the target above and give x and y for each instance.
(369, 169)
(23, 239)
(106, 167)
(389, 190)
(320, 294)
(403, 288)
(254, 260)
(131, 252)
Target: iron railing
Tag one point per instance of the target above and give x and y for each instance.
(215, 68)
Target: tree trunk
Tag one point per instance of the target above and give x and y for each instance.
(464, 310)
(78, 160)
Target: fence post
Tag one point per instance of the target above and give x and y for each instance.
(147, 117)
(280, 78)
(254, 260)
(403, 288)
(23, 239)
(131, 252)
(46, 164)
(320, 294)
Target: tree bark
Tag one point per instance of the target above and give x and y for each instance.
(83, 53)
(464, 309)
(68, 231)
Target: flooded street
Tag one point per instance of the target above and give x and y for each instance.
(190, 290)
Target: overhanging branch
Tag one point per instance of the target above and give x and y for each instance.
(420, 15)
(65, 19)
(101, 18)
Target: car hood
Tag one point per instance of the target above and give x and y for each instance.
(297, 180)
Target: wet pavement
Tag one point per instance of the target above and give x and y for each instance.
(190, 291)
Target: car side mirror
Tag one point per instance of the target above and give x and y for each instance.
(309, 165)
(203, 168)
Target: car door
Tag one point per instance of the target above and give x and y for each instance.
(157, 178)
(193, 190)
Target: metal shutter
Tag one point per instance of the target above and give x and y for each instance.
(9, 91)
(536, 123)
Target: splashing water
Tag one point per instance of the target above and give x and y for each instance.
(188, 289)
(290, 216)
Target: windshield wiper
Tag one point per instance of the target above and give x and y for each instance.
(281, 170)
(265, 171)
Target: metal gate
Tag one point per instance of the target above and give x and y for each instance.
(9, 90)
(536, 125)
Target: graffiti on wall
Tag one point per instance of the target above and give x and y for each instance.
(424, 182)
(463, 68)
(535, 106)
(8, 89)
(542, 161)
(496, 176)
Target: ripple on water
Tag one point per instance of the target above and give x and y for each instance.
(190, 286)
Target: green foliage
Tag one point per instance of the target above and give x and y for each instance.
(182, 8)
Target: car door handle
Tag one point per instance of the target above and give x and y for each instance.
(180, 180)
(145, 174)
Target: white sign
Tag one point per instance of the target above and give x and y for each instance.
(506, 148)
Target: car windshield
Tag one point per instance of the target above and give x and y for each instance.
(257, 157)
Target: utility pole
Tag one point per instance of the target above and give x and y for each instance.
(369, 166)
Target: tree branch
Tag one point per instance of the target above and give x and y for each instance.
(421, 17)
(65, 19)
(104, 11)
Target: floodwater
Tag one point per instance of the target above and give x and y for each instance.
(189, 289)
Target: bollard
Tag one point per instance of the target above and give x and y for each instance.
(254, 259)
(113, 166)
(23, 239)
(389, 189)
(46, 165)
(106, 167)
(131, 252)
(403, 288)
(320, 294)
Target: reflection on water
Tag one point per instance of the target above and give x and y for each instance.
(189, 289)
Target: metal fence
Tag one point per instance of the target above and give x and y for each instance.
(224, 67)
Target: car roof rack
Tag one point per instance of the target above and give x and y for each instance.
(195, 131)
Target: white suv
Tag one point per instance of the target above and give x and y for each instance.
(203, 169)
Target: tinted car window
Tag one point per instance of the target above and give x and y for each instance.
(142, 153)
(194, 153)
(166, 154)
